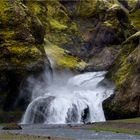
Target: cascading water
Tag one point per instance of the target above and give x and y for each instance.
(70, 100)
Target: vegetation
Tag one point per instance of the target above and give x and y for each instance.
(119, 126)
(132, 120)
(9, 136)
(116, 130)
(63, 60)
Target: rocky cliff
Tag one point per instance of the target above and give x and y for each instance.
(79, 35)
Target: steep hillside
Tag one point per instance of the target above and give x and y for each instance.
(125, 73)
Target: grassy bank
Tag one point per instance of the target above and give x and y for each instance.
(129, 126)
(9, 136)
(133, 120)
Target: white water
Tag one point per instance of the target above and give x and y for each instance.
(70, 100)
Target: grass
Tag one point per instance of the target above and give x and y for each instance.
(116, 130)
(133, 120)
(119, 126)
(10, 136)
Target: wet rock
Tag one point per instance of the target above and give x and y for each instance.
(12, 126)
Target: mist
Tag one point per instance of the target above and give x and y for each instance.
(68, 98)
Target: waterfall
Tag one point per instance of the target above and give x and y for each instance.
(70, 99)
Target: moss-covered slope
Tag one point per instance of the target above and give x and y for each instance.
(125, 103)
(21, 50)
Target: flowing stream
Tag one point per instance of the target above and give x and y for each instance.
(75, 99)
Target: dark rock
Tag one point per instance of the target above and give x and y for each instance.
(12, 126)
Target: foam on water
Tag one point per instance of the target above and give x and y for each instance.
(76, 99)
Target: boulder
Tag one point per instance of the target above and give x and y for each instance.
(12, 126)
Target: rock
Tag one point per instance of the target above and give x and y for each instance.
(12, 126)
(111, 27)
(21, 52)
(125, 74)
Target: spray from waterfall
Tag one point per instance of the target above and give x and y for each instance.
(69, 99)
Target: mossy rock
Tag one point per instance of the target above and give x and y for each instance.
(86, 8)
(124, 73)
(12, 126)
(61, 59)
(21, 50)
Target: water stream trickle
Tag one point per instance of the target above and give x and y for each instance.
(76, 99)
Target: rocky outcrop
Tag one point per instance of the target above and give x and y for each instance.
(125, 103)
(12, 126)
(21, 50)
(104, 25)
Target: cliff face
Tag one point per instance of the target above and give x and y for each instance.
(21, 51)
(125, 72)
(77, 35)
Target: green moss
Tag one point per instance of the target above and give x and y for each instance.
(132, 37)
(108, 24)
(36, 8)
(86, 8)
(21, 55)
(5, 12)
(124, 64)
(6, 35)
(132, 3)
(56, 25)
(22, 50)
(123, 73)
(126, 61)
(58, 38)
(135, 19)
(73, 27)
(61, 59)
